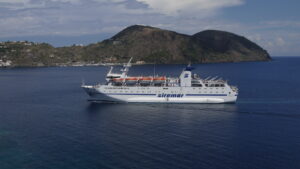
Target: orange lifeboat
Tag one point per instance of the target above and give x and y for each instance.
(162, 78)
(145, 81)
(118, 79)
(132, 79)
(159, 80)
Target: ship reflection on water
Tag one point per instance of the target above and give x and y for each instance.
(161, 113)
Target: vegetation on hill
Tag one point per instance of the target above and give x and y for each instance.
(145, 44)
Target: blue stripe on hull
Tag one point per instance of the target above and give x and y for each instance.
(130, 94)
(206, 94)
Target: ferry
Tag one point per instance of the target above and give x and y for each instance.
(187, 88)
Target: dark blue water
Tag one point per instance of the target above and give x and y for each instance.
(46, 122)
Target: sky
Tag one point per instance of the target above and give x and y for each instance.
(272, 24)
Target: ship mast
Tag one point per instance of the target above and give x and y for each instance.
(126, 69)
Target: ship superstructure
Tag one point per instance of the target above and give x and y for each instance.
(187, 88)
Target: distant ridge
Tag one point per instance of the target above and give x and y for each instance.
(145, 44)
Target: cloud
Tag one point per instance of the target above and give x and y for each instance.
(278, 43)
(24, 18)
(66, 17)
(13, 1)
(170, 7)
(28, 4)
(77, 17)
(30, 1)
(13, 4)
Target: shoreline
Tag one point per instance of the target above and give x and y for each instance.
(120, 64)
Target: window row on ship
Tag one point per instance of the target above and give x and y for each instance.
(171, 85)
(194, 91)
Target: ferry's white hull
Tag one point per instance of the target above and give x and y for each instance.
(187, 88)
(157, 95)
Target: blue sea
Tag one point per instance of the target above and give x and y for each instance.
(46, 121)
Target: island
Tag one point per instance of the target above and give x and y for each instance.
(146, 44)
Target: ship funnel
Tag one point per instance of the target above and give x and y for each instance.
(186, 77)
